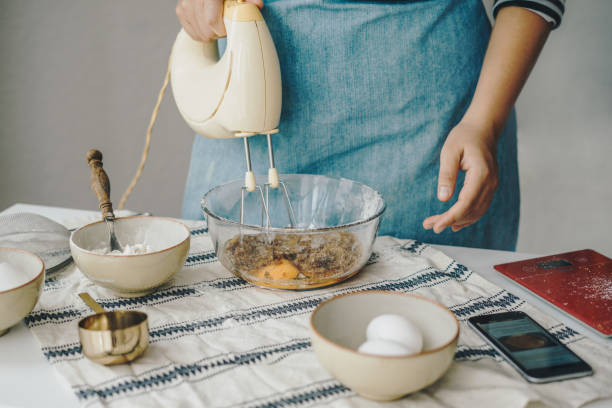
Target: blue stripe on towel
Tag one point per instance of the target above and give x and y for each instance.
(306, 395)
(199, 231)
(208, 367)
(427, 277)
(197, 371)
(197, 259)
(501, 300)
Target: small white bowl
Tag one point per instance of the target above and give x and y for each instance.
(17, 302)
(132, 275)
(338, 327)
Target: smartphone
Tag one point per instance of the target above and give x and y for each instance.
(528, 347)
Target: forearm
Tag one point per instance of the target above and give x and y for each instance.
(516, 41)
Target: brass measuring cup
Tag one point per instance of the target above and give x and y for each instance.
(111, 338)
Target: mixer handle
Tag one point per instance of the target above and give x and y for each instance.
(100, 183)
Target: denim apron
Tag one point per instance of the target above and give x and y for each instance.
(371, 89)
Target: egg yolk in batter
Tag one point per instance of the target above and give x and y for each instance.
(281, 270)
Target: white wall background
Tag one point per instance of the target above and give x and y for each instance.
(565, 136)
(81, 74)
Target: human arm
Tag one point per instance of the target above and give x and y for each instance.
(516, 40)
(203, 19)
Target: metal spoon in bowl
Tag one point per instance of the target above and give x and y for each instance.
(100, 184)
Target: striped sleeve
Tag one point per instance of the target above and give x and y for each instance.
(550, 10)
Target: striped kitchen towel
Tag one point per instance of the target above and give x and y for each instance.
(218, 341)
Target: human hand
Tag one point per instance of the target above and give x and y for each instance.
(203, 19)
(471, 147)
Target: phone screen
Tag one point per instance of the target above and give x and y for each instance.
(531, 346)
(528, 345)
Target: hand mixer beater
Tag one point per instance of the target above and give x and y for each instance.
(274, 181)
(236, 95)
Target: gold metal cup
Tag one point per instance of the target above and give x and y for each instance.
(111, 338)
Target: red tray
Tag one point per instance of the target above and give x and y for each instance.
(579, 283)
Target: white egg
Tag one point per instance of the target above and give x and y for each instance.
(384, 348)
(396, 328)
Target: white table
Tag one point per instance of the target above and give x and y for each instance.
(27, 380)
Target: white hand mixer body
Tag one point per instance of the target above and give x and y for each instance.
(236, 95)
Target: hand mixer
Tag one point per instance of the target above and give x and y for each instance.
(236, 95)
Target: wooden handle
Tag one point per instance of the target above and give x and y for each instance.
(100, 183)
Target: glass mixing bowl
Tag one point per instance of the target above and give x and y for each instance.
(336, 224)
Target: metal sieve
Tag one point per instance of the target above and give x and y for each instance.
(40, 235)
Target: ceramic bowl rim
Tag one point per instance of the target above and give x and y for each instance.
(376, 215)
(388, 292)
(42, 263)
(89, 252)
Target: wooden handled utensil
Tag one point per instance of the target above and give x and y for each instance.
(100, 184)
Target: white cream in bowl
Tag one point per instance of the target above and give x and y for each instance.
(11, 276)
(134, 249)
(22, 275)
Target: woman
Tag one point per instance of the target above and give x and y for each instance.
(413, 98)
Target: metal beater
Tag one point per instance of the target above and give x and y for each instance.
(250, 184)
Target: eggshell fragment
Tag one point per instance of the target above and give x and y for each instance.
(396, 328)
(383, 348)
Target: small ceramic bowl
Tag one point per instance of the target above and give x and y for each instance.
(17, 302)
(338, 327)
(132, 275)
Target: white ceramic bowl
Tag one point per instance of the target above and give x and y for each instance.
(338, 327)
(132, 275)
(17, 302)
